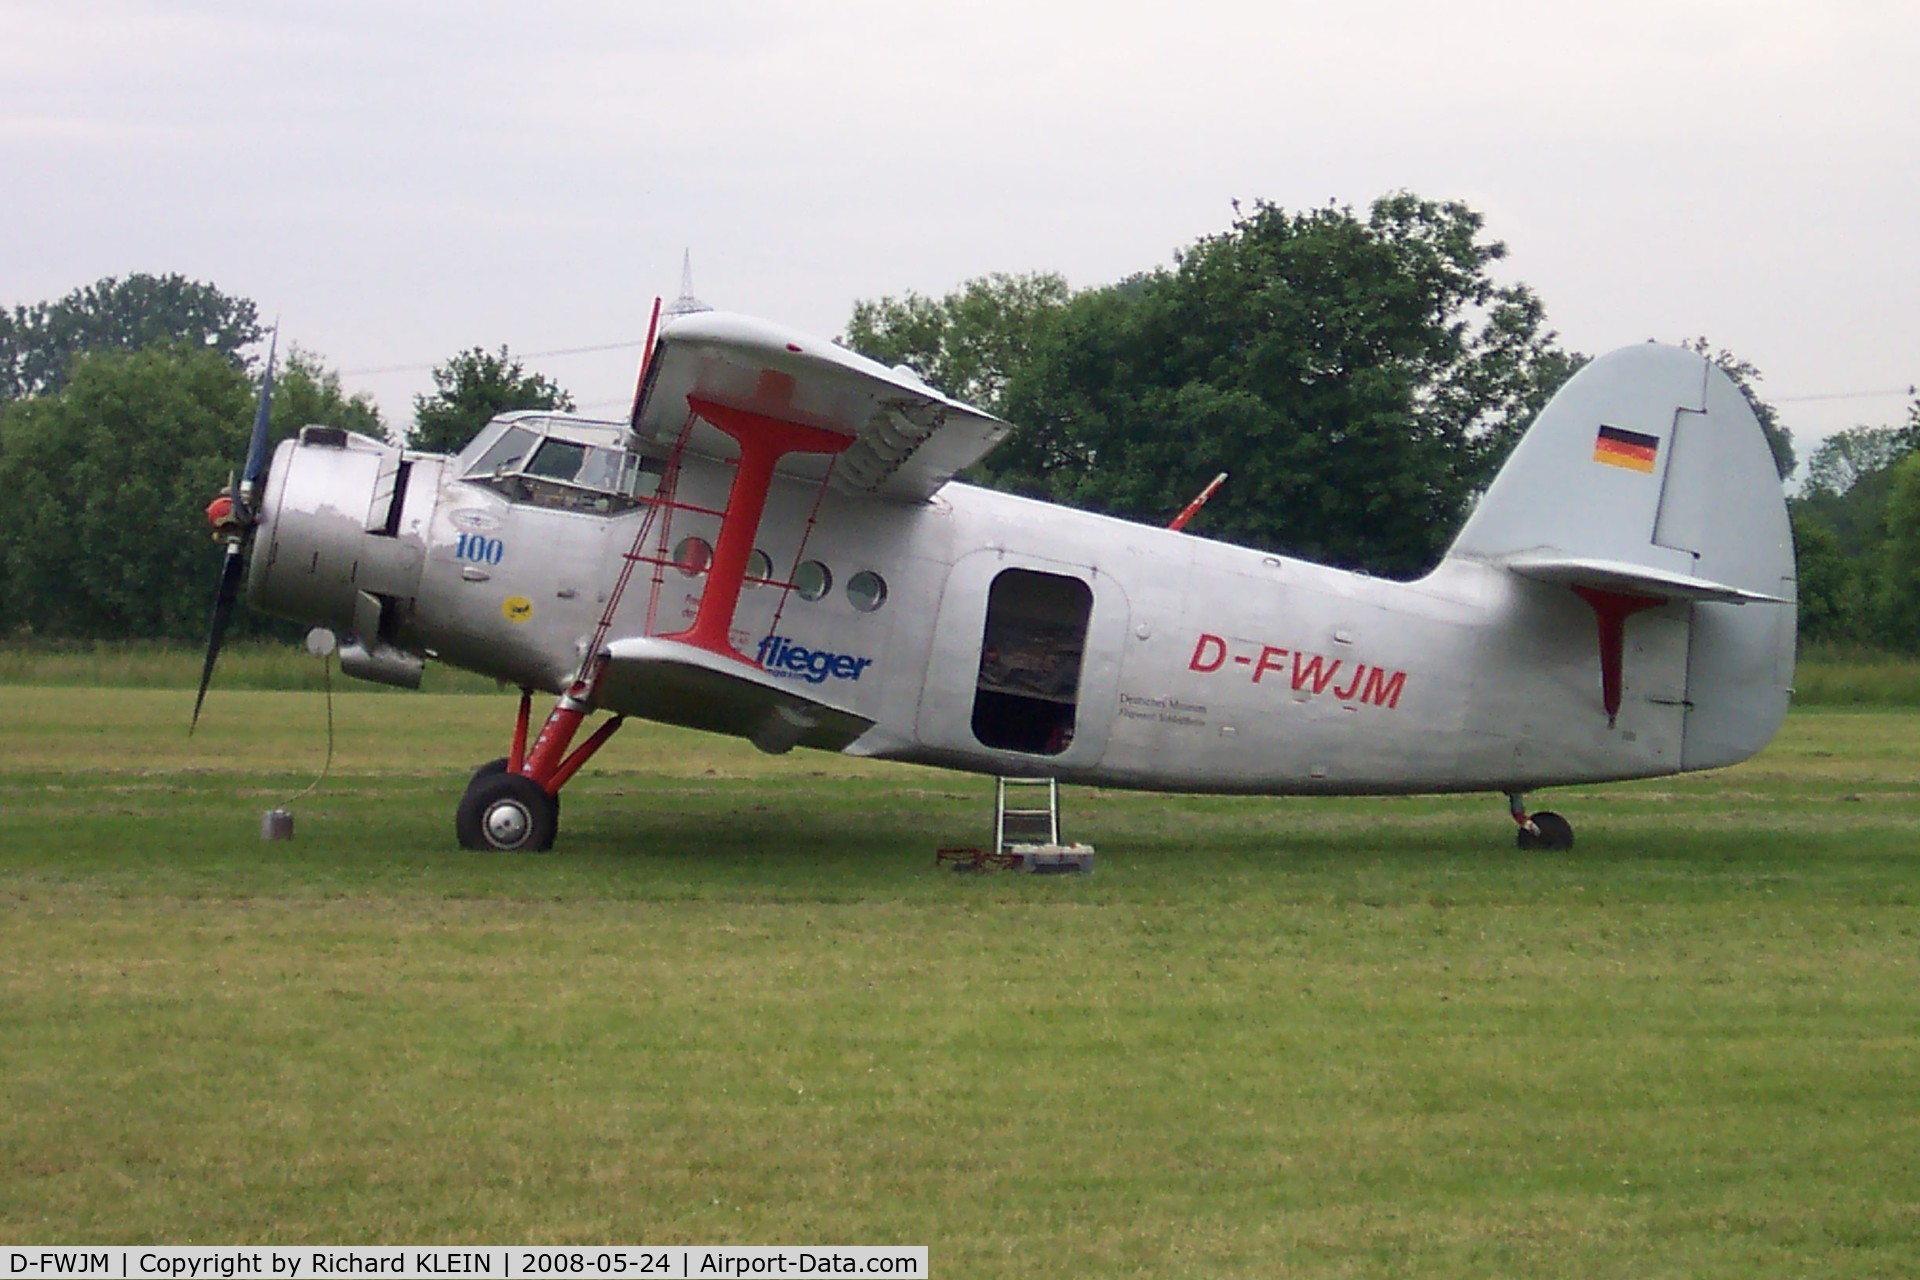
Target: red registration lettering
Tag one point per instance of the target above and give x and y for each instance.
(1313, 673)
(1208, 654)
(1382, 690)
(1353, 685)
(1269, 661)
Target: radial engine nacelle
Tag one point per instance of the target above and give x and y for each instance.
(341, 543)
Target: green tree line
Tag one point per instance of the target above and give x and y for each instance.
(1856, 533)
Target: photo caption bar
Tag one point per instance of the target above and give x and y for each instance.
(498, 1262)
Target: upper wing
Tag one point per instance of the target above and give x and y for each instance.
(908, 439)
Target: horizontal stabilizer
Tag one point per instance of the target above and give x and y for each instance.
(1636, 579)
(685, 685)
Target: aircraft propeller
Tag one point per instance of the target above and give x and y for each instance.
(233, 518)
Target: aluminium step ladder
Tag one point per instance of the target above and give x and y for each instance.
(1025, 811)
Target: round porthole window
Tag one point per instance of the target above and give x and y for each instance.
(812, 580)
(759, 568)
(693, 556)
(866, 591)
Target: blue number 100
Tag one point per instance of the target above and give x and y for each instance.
(481, 550)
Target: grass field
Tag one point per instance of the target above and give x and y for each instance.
(739, 1003)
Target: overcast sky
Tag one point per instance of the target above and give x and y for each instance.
(402, 180)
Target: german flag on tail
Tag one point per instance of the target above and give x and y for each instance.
(1618, 447)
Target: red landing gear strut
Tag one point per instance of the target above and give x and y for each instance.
(513, 803)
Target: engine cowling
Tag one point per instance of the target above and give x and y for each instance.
(341, 544)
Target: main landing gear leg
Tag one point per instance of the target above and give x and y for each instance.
(1541, 830)
(513, 804)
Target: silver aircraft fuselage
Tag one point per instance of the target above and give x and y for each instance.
(774, 547)
(1198, 666)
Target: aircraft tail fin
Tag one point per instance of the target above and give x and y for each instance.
(1647, 479)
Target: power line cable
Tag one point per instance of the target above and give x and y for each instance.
(518, 355)
(1908, 390)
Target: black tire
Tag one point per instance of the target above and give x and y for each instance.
(508, 813)
(493, 769)
(1555, 833)
(490, 769)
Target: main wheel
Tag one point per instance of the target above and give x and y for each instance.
(1555, 833)
(508, 812)
(493, 769)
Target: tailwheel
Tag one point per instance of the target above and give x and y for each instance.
(508, 812)
(1539, 830)
(1550, 831)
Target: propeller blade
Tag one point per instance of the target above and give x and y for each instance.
(229, 591)
(257, 445)
(237, 523)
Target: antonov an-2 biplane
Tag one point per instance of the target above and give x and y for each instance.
(774, 547)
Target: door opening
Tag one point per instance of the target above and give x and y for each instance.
(1030, 652)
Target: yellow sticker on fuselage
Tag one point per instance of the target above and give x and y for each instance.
(517, 608)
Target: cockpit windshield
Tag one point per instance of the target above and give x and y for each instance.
(572, 464)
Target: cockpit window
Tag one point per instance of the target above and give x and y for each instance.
(606, 470)
(558, 460)
(571, 464)
(507, 453)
